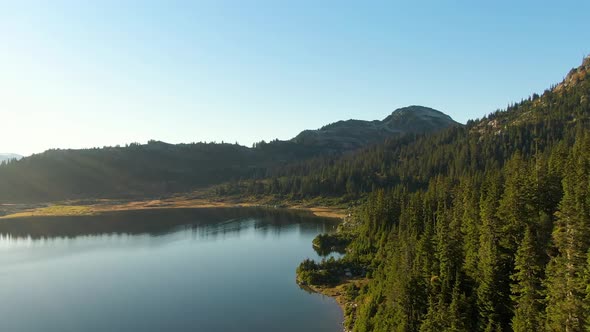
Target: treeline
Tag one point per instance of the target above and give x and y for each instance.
(529, 127)
(136, 169)
(147, 170)
(158, 168)
(484, 228)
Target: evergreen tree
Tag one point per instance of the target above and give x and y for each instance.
(565, 283)
(491, 292)
(527, 291)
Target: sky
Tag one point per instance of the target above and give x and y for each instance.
(77, 74)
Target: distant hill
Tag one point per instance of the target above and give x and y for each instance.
(353, 134)
(9, 156)
(161, 168)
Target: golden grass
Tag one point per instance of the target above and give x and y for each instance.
(54, 210)
(99, 206)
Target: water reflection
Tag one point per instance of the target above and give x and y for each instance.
(205, 223)
(159, 270)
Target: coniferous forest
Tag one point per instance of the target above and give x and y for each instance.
(479, 228)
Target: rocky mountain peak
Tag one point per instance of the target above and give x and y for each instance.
(576, 75)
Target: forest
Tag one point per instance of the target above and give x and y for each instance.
(482, 228)
(136, 171)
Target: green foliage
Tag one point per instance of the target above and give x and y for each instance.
(311, 273)
(566, 287)
(527, 289)
(327, 272)
(158, 168)
(325, 244)
(482, 228)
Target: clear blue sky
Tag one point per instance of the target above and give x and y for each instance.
(93, 73)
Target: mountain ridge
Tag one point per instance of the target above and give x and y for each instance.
(159, 168)
(353, 134)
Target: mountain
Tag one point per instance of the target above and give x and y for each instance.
(160, 168)
(354, 134)
(9, 156)
(564, 104)
(527, 127)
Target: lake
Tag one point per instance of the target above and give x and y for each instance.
(230, 269)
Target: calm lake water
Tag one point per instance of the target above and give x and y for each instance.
(162, 270)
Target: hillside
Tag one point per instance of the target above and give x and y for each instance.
(158, 168)
(531, 126)
(354, 134)
(476, 228)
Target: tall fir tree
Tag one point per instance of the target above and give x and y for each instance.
(492, 290)
(566, 286)
(527, 290)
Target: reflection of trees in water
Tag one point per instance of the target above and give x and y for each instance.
(205, 222)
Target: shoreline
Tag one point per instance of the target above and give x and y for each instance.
(100, 206)
(333, 292)
(84, 208)
(338, 294)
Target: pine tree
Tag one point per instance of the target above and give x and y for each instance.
(527, 291)
(491, 292)
(457, 317)
(565, 283)
(470, 226)
(517, 205)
